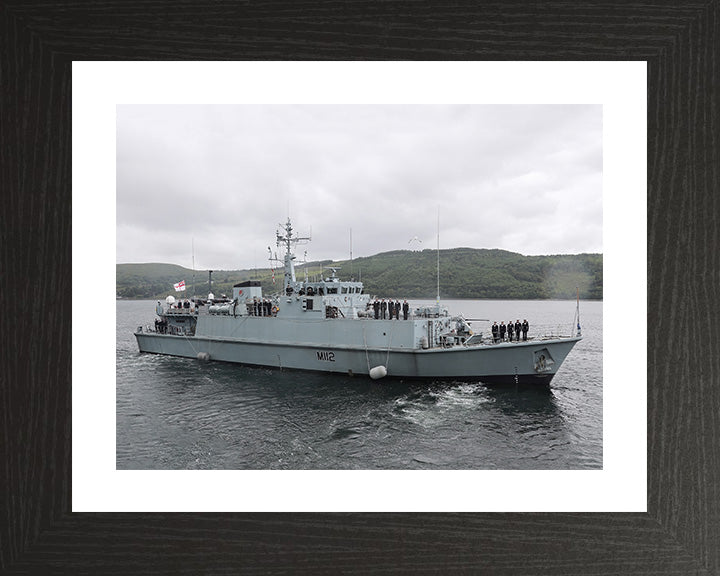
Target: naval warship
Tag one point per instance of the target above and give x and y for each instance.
(328, 325)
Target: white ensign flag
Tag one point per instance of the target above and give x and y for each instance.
(180, 286)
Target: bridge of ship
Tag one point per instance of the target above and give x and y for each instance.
(332, 297)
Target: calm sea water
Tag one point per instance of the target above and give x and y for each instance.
(175, 413)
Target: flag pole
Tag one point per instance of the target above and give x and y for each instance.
(578, 310)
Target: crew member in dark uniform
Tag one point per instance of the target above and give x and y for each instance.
(518, 327)
(376, 308)
(391, 309)
(510, 330)
(383, 309)
(406, 309)
(503, 328)
(525, 328)
(397, 309)
(495, 330)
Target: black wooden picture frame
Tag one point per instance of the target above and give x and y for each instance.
(680, 533)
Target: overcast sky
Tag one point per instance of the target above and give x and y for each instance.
(522, 178)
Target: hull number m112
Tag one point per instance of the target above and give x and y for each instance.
(325, 356)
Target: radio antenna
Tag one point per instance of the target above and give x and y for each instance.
(438, 257)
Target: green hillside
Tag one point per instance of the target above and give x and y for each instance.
(464, 273)
(156, 280)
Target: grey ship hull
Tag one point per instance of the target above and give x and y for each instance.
(531, 362)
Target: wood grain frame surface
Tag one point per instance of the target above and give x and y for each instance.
(680, 533)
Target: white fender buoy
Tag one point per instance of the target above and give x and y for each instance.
(378, 372)
(203, 356)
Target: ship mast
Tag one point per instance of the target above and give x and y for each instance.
(289, 239)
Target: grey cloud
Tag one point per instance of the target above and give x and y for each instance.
(521, 178)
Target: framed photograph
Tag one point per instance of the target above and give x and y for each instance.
(58, 519)
(588, 119)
